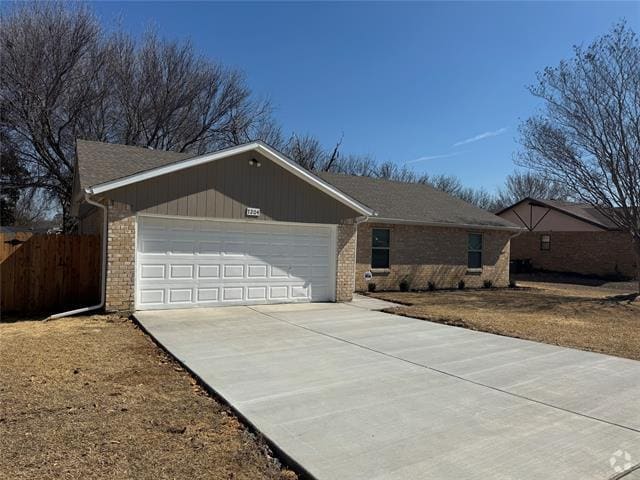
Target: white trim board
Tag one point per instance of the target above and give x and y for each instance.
(260, 147)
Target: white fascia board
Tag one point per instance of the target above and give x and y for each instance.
(260, 147)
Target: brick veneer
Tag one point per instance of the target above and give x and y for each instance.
(120, 288)
(422, 254)
(426, 254)
(589, 253)
(346, 262)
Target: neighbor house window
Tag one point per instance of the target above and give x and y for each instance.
(545, 242)
(380, 248)
(474, 258)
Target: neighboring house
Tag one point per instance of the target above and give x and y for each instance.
(569, 237)
(247, 225)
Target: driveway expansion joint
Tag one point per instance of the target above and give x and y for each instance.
(628, 471)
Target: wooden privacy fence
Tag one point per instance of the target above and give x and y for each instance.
(48, 273)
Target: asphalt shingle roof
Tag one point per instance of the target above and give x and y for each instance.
(102, 162)
(413, 202)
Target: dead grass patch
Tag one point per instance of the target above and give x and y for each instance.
(93, 397)
(584, 317)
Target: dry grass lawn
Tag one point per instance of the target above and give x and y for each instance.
(93, 397)
(589, 318)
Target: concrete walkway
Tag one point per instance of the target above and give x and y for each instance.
(370, 303)
(350, 393)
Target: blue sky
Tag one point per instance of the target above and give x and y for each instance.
(439, 85)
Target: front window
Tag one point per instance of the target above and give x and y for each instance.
(380, 248)
(545, 242)
(474, 258)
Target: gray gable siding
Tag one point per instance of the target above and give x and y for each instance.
(225, 188)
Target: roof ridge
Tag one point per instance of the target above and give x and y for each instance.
(380, 179)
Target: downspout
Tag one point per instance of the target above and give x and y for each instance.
(514, 235)
(103, 268)
(362, 219)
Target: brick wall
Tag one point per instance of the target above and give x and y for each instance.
(432, 254)
(588, 253)
(120, 289)
(345, 272)
(422, 254)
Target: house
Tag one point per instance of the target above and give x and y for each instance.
(248, 225)
(569, 237)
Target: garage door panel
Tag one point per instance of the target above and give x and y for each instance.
(208, 294)
(232, 294)
(180, 295)
(257, 293)
(233, 271)
(155, 272)
(257, 271)
(208, 271)
(299, 291)
(151, 297)
(279, 271)
(181, 272)
(201, 262)
(278, 292)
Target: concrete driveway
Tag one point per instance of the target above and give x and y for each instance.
(349, 393)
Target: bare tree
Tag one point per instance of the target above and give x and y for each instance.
(11, 170)
(588, 136)
(33, 208)
(307, 151)
(49, 64)
(62, 78)
(392, 171)
(362, 165)
(447, 183)
(519, 185)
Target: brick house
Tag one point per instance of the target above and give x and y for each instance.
(569, 237)
(246, 225)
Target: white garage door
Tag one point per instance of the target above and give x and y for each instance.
(202, 263)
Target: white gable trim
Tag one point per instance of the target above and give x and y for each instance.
(259, 147)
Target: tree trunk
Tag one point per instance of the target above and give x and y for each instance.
(636, 251)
